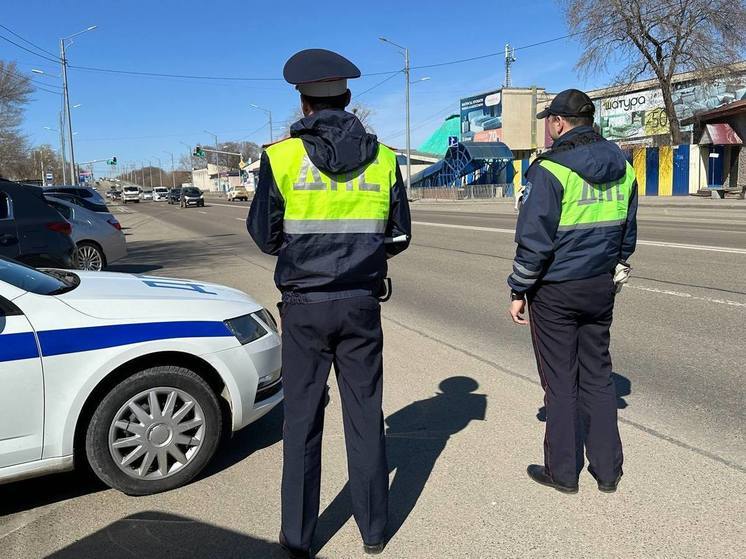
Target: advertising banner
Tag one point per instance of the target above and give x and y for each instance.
(481, 113)
(641, 114)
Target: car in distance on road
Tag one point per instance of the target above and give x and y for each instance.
(31, 231)
(238, 193)
(174, 195)
(192, 196)
(130, 194)
(99, 240)
(160, 194)
(146, 195)
(138, 376)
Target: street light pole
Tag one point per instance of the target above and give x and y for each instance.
(160, 170)
(269, 112)
(217, 161)
(66, 95)
(150, 172)
(405, 52)
(173, 169)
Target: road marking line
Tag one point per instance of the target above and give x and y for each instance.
(200, 211)
(239, 218)
(688, 296)
(227, 205)
(728, 250)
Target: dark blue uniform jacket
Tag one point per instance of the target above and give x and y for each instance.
(543, 253)
(325, 264)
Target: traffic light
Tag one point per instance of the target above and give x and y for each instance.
(112, 161)
(199, 152)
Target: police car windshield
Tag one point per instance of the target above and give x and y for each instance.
(30, 279)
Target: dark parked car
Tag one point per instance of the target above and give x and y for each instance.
(174, 196)
(87, 203)
(31, 231)
(192, 197)
(90, 194)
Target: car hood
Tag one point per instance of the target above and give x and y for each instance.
(126, 296)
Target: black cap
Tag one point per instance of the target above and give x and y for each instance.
(319, 66)
(570, 102)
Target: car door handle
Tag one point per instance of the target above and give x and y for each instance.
(8, 239)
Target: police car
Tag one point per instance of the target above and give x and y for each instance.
(138, 376)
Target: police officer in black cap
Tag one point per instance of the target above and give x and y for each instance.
(576, 229)
(331, 204)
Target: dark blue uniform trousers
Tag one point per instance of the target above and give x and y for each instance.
(570, 332)
(347, 334)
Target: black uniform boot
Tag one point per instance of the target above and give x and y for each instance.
(540, 475)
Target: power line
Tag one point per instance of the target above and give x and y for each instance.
(161, 75)
(27, 41)
(393, 75)
(29, 50)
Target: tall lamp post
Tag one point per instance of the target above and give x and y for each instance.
(269, 113)
(61, 130)
(160, 170)
(405, 52)
(66, 95)
(173, 169)
(217, 160)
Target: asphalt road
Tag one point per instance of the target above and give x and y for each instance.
(679, 341)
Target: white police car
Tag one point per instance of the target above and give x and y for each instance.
(137, 375)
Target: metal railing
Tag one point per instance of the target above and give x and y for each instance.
(469, 192)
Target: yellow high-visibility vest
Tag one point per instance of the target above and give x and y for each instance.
(318, 202)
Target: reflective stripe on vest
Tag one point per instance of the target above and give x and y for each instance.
(590, 206)
(318, 202)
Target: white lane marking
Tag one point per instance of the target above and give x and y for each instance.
(228, 205)
(200, 211)
(467, 227)
(688, 296)
(239, 219)
(728, 250)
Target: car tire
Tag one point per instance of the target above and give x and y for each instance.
(90, 254)
(104, 431)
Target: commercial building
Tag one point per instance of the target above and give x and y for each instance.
(634, 117)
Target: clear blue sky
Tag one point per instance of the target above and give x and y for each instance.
(139, 118)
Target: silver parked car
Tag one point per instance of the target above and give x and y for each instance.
(98, 237)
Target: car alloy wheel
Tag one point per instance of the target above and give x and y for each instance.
(156, 433)
(89, 257)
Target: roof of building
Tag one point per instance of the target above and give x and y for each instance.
(723, 111)
(487, 150)
(437, 143)
(614, 90)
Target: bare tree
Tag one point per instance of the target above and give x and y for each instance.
(15, 92)
(658, 38)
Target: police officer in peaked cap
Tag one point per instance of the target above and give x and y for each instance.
(576, 230)
(331, 205)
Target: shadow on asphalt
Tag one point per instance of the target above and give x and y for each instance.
(623, 388)
(255, 437)
(415, 438)
(156, 535)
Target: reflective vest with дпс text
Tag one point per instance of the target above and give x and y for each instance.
(318, 202)
(591, 206)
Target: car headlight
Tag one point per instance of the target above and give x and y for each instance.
(251, 327)
(201, 196)
(246, 328)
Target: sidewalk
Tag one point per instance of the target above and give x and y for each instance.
(644, 201)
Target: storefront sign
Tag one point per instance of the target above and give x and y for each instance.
(480, 114)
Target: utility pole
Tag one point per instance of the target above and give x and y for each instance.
(173, 169)
(509, 59)
(66, 97)
(66, 100)
(405, 52)
(217, 161)
(62, 146)
(269, 113)
(150, 171)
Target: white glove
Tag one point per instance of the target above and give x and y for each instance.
(621, 275)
